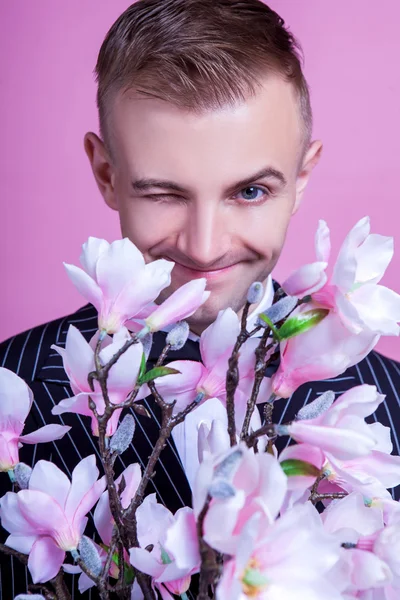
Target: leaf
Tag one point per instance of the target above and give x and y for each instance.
(301, 323)
(270, 324)
(142, 370)
(293, 467)
(157, 372)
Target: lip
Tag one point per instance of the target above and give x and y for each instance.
(197, 274)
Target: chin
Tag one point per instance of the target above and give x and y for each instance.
(207, 314)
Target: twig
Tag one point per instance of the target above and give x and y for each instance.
(210, 566)
(232, 375)
(261, 364)
(11, 552)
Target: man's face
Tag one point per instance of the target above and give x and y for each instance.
(206, 208)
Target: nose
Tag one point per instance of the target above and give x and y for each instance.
(204, 237)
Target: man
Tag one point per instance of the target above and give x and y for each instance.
(205, 153)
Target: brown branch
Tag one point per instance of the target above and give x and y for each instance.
(11, 552)
(260, 366)
(210, 568)
(232, 375)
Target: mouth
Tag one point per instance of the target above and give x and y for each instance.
(188, 273)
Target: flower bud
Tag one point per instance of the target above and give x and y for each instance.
(90, 556)
(317, 407)
(178, 336)
(281, 309)
(22, 474)
(147, 342)
(122, 438)
(221, 489)
(255, 293)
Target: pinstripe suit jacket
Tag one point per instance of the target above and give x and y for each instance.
(29, 354)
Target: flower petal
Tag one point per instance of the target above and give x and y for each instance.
(145, 562)
(49, 479)
(84, 477)
(322, 242)
(123, 374)
(91, 251)
(15, 398)
(76, 404)
(21, 543)
(306, 280)
(344, 272)
(182, 303)
(43, 512)
(45, 560)
(79, 358)
(378, 307)
(11, 517)
(219, 337)
(85, 285)
(373, 258)
(47, 433)
(182, 540)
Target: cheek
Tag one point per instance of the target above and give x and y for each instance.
(265, 229)
(145, 223)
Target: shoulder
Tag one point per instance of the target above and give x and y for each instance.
(25, 352)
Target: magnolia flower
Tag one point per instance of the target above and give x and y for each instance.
(78, 360)
(48, 519)
(370, 474)
(174, 556)
(15, 403)
(208, 380)
(360, 311)
(287, 560)
(370, 555)
(116, 280)
(240, 483)
(352, 290)
(104, 523)
(323, 352)
(341, 431)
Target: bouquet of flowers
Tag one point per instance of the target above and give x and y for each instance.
(315, 521)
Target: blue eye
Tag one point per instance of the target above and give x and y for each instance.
(250, 193)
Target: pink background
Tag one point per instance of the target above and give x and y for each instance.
(50, 203)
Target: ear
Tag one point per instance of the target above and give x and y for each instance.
(311, 158)
(102, 168)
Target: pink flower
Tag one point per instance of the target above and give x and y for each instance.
(352, 290)
(360, 311)
(180, 305)
(175, 554)
(341, 431)
(369, 474)
(78, 360)
(287, 560)
(116, 280)
(324, 351)
(241, 484)
(49, 518)
(15, 403)
(208, 380)
(369, 559)
(104, 523)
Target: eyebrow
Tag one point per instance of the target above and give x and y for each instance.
(143, 184)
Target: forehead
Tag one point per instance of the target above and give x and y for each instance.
(151, 137)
